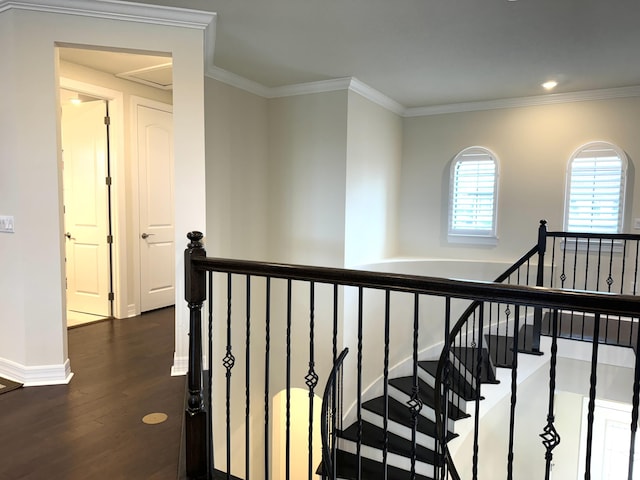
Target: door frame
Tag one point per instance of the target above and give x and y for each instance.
(134, 102)
(118, 199)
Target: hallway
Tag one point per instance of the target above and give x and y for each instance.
(92, 428)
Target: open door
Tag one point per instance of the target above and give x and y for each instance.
(86, 204)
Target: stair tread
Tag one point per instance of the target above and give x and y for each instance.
(427, 395)
(401, 414)
(468, 357)
(458, 384)
(346, 464)
(373, 436)
(501, 350)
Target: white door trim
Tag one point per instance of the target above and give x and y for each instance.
(118, 199)
(134, 102)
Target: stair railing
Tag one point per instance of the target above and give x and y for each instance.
(331, 415)
(467, 334)
(576, 261)
(274, 327)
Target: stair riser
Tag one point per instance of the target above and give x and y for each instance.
(453, 397)
(397, 429)
(392, 458)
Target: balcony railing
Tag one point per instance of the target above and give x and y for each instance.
(272, 334)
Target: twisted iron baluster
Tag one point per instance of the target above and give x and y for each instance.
(247, 386)
(228, 361)
(514, 391)
(359, 403)
(592, 394)
(476, 427)
(311, 379)
(267, 352)
(288, 387)
(385, 417)
(550, 437)
(415, 403)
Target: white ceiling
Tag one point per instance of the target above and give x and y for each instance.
(430, 52)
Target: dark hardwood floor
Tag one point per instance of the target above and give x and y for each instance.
(92, 428)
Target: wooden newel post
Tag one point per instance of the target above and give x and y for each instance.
(537, 312)
(196, 413)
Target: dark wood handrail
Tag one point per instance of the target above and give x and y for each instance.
(595, 302)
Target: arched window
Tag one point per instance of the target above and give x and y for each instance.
(473, 196)
(596, 179)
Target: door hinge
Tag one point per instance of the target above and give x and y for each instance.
(111, 296)
(107, 180)
(109, 238)
(107, 120)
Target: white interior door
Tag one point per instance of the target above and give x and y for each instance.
(84, 144)
(155, 183)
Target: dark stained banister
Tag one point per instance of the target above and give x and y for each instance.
(199, 271)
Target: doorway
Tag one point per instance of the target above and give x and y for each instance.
(142, 215)
(87, 206)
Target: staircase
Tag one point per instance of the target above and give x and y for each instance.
(499, 353)
(472, 362)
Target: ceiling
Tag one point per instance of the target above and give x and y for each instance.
(429, 52)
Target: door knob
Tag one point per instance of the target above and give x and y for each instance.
(68, 235)
(146, 235)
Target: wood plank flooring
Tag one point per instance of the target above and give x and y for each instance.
(92, 428)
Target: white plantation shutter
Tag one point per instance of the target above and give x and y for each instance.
(472, 206)
(595, 189)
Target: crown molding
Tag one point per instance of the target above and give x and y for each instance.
(129, 12)
(321, 86)
(225, 76)
(376, 96)
(118, 10)
(538, 100)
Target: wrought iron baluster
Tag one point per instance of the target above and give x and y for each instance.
(288, 387)
(478, 381)
(311, 379)
(359, 386)
(634, 409)
(623, 269)
(593, 379)
(385, 416)
(514, 392)
(550, 437)
(267, 353)
(247, 386)
(210, 369)
(415, 403)
(446, 385)
(228, 362)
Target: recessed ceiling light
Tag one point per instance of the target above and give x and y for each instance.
(550, 85)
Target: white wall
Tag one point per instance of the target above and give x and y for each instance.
(237, 172)
(307, 171)
(533, 145)
(374, 151)
(33, 346)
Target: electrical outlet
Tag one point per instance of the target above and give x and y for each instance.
(6, 223)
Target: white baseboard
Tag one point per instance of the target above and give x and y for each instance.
(36, 375)
(132, 311)
(180, 366)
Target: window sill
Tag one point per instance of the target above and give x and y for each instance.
(468, 239)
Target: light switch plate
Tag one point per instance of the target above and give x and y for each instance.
(6, 223)
(636, 223)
